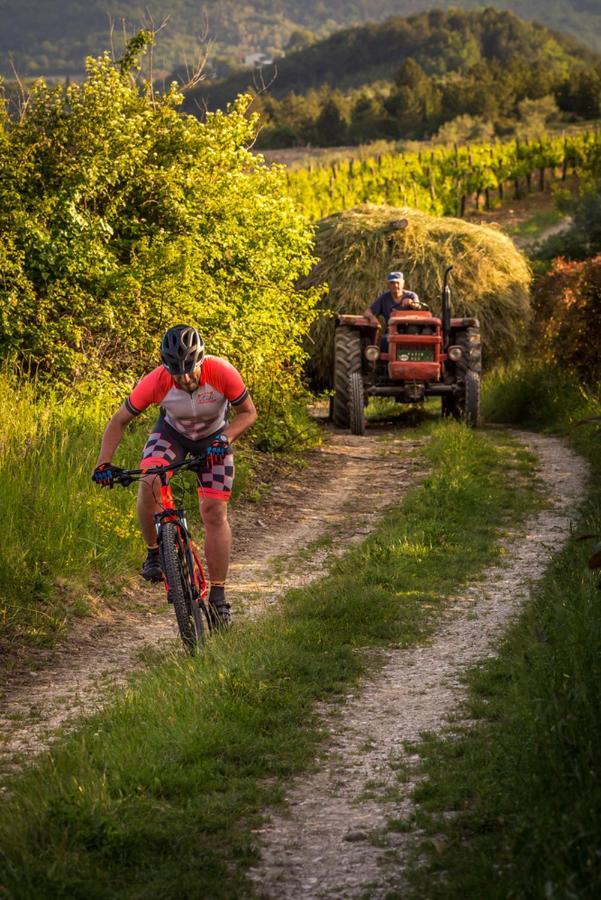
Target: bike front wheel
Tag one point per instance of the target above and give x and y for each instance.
(175, 562)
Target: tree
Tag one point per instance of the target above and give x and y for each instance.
(534, 115)
(581, 93)
(331, 125)
(370, 121)
(463, 130)
(415, 104)
(120, 216)
(300, 39)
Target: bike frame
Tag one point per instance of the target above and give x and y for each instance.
(178, 516)
(170, 513)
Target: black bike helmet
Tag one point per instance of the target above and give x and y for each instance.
(182, 348)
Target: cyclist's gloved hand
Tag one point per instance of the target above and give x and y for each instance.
(105, 474)
(218, 449)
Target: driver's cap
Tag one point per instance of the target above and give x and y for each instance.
(395, 276)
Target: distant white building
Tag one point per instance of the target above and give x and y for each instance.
(255, 60)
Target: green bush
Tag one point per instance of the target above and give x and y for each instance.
(120, 216)
(537, 395)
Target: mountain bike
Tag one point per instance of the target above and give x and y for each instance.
(183, 574)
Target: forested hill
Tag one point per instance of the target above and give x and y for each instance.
(440, 42)
(52, 37)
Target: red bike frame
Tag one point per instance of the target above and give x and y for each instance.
(170, 514)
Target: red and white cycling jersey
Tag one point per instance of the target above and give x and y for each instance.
(195, 415)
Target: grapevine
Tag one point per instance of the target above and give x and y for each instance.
(446, 181)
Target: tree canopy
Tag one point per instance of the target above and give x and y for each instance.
(119, 216)
(440, 42)
(54, 36)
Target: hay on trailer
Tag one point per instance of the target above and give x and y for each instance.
(356, 249)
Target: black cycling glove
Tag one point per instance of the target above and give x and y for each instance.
(105, 474)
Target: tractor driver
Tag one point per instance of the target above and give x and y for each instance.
(392, 300)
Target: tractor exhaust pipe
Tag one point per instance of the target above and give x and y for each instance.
(446, 308)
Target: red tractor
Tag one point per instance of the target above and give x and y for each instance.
(427, 356)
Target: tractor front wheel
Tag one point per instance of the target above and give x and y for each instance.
(465, 407)
(470, 407)
(347, 361)
(357, 413)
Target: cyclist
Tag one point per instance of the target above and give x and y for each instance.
(194, 392)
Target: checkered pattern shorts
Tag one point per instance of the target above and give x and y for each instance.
(161, 449)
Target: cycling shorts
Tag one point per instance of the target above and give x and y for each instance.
(165, 445)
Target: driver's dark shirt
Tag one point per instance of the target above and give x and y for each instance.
(384, 305)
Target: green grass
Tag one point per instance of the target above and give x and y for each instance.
(522, 783)
(535, 224)
(158, 795)
(56, 528)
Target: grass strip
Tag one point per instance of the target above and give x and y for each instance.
(511, 805)
(158, 794)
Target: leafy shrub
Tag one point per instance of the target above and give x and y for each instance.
(567, 304)
(120, 216)
(583, 238)
(537, 395)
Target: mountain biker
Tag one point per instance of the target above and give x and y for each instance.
(194, 392)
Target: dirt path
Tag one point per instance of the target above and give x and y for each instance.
(531, 210)
(333, 839)
(338, 497)
(527, 242)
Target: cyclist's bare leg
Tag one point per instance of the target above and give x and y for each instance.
(218, 537)
(148, 505)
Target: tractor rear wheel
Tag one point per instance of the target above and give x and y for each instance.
(469, 341)
(347, 361)
(356, 405)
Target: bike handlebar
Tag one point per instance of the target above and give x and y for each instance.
(126, 476)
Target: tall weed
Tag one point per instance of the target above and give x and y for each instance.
(58, 531)
(537, 396)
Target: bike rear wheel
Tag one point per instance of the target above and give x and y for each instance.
(175, 562)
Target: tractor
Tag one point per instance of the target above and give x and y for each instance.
(426, 356)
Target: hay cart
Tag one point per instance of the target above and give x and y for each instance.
(427, 356)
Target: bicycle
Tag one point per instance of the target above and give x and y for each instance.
(183, 574)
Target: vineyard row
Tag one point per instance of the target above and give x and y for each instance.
(446, 181)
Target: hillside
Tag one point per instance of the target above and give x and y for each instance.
(440, 42)
(52, 37)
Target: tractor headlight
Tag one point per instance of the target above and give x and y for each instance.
(372, 352)
(455, 353)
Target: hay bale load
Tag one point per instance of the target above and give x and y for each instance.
(356, 249)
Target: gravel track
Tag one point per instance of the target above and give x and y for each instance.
(341, 493)
(332, 841)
